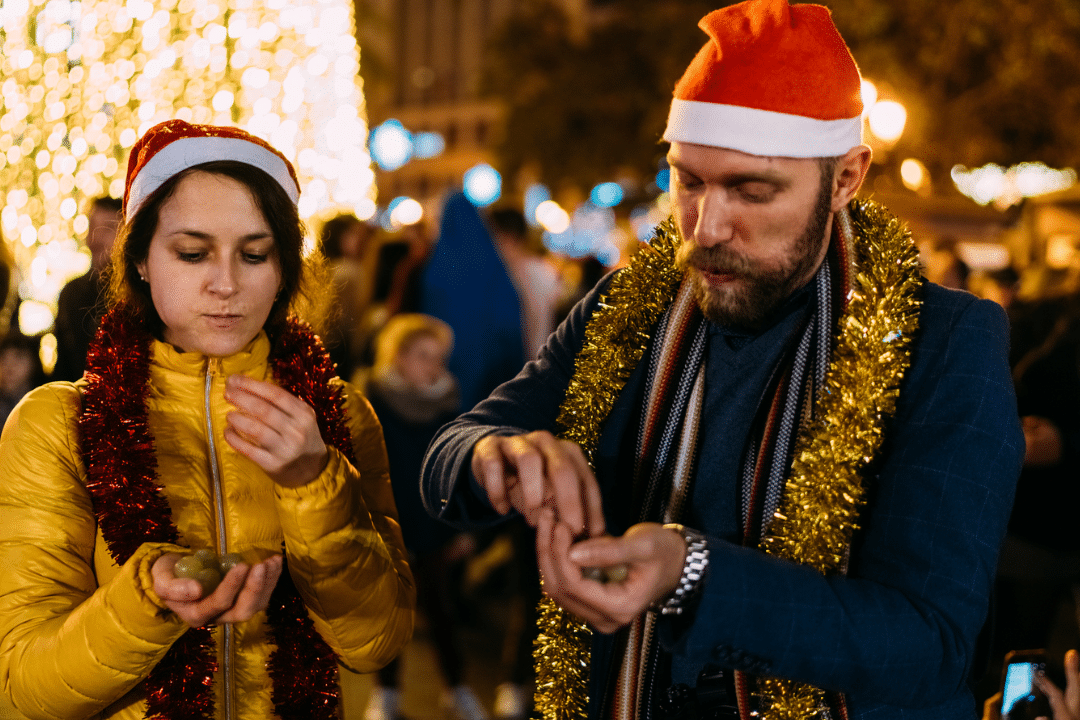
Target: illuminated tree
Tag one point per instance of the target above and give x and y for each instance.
(80, 82)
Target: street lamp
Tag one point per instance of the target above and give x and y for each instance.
(887, 119)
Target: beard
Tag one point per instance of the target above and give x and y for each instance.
(750, 300)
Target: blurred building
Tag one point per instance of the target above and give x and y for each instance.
(423, 65)
(1045, 241)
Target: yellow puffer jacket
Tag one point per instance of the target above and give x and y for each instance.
(78, 634)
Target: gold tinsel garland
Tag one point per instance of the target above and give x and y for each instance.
(615, 340)
(824, 492)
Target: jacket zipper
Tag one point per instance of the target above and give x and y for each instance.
(219, 507)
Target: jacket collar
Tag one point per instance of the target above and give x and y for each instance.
(251, 360)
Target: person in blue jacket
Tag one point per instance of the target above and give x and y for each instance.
(467, 286)
(769, 466)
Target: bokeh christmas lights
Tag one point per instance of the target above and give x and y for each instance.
(81, 81)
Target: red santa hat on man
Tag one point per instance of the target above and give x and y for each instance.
(774, 79)
(174, 145)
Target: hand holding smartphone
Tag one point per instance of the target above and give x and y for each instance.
(1021, 698)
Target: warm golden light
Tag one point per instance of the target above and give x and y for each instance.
(914, 174)
(869, 95)
(887, 119)
(552, 217)
(80, 82)
(1060, 251)
(407, 212)
(1008, 186)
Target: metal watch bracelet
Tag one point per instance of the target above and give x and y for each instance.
(697, 559)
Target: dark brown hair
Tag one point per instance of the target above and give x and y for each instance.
(133, 244)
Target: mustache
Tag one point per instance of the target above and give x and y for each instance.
(718, 258)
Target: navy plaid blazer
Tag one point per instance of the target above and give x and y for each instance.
(897, 633)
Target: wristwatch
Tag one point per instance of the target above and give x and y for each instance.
(697, 560)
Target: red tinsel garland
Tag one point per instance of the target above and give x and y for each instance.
(118, 451)
(303, 668)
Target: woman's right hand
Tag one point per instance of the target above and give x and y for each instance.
(244, 591)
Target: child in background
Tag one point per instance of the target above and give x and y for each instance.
(413, 395)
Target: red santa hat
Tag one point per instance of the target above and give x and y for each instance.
(174, 145)
(774, 79)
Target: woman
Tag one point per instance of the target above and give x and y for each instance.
(206, 419)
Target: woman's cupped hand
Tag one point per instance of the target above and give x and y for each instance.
(244, 591)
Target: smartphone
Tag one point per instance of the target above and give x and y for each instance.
(1021, 699)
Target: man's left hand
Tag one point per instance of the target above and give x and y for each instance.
(652, 554)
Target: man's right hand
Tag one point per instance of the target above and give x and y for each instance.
(536, 470)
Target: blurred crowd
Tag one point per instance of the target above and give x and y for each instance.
(1037, 595)
(429, 321)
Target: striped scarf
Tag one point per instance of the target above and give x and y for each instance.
(667, 447)
(876, 288)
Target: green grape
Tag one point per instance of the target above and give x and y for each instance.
(616, 573)
(611, 574)
(209, 579)
(187, 566)
(593, 573)
(206, 567)
(206, 558)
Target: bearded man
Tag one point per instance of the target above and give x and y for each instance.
(769, 466)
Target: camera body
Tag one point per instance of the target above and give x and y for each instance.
(712, 699)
